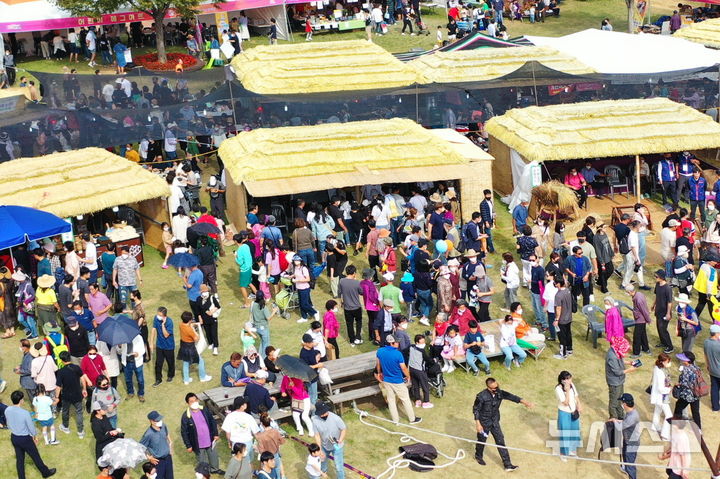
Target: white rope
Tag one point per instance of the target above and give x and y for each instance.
(364, 414)
(396, 462)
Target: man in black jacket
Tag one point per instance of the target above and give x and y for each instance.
(199, 433)
(486, 411)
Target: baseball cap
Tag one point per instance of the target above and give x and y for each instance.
(673, 222)
(714, 329)
(321, 408)
(661, 274)
(390, 339)
(71, 321)
(261, 374)
(627, 398)
(154, 416)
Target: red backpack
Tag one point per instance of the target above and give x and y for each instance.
(283, 260)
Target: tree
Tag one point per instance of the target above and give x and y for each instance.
(157, 9)
(631, 16)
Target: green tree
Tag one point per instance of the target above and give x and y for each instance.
(157, 9)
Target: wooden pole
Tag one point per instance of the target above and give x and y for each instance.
(638, 193)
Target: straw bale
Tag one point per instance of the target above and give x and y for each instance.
(303, 151)
(604, 129)
(353, 65)
(484, 64)
(706, 32)
(556, 195)
(78, 182)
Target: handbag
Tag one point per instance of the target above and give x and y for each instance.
(296, 404)
(676, 391)
(201, 344)
(575, 415)
(649, 389)
(700, 387)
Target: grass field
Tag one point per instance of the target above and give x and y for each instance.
(368, 447)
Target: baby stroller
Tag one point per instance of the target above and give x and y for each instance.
(435, 377)
(421, 26)
(192, 195)
(287, 298)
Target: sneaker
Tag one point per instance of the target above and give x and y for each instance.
(645, 288)
(510, 468)
(317, 316)
(53, 443)
(476, 372)
(130, 396)
(417, 420)
(669, 350)
(427, 405)
(3, 385)
(302, 320)
(206, 379)
(188, 381)
(487, 372)
(251, 296)
(90, 64)
(169, 380)
(157, 383)
(516, 363)
(451, 368)
(64, 429)
(424, 321)
(215, 351)
(570, 353)
(444, 368)
(358, 341)
(141, 398)
(559, 356)
(508, 368)
(81, 435)
(418, 403)
(51, 472)
(563, 458)
(480, 461)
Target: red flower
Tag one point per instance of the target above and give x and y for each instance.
(150, 61)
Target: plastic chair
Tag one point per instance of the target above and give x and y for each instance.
(595, 327)
(616, 179)
(627, 322)
(278, 211)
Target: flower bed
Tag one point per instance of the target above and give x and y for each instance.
(150, 61)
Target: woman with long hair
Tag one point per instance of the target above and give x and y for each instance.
(301, 278)
(568, 421)
(660, 390)
(271, 257)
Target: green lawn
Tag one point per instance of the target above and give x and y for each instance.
(368, 447)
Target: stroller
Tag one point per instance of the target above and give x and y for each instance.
(192, 196)
(435, 377)
(287, 298)
(421, 26)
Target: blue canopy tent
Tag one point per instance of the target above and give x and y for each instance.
(19, 224)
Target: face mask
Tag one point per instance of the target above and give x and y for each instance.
(473, 260)
(195, 405)
(711, 207)
(104, 388)
(205, 294)
(92, 356)
(159, 424)
(152, 476)
(166, 228)
(534, 263)
(124, 256)
(335, 310)
(21, 350)
(404, 326)
(608, 306)
(77, 312)
(562, 229)
(199, 476)
(74, 328)
(519, 311)
(575, 173)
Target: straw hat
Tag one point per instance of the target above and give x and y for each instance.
(5, 273)
(435, 198)
(38, 349)
(19, 276)
(384, 234)
(470, 253)
(46, 281)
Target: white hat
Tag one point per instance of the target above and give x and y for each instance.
(213, 181)
(261, 374)
(683, 298)
(682, 249)
(673, 222)
(389, 276)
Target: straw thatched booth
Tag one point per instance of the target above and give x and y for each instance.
(292, 160)
(86, 181)
(12, 100)
(595, 130)
(706, 33)
(302, 68)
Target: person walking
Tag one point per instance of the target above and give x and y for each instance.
(188, 353)
(162, 342)
(711, 348)
(688, 322)
(393, 375)
(102, 429)
(685, 392)
(537, 278)
(199, 433)
(706, 284)
(486, 411)
(210, 309)
(126, 275)
(663, 310)
(418, 359)
(642, 319)
(660, 390)
(158, 442)
(22, 436)
(563, 318)
(568, 422)
(605, 253)
(24, 369)
(615, 370)
(132, 358)
(349, 290)
(330, 432)
(70, 391)
(260, 314)
(578, 269)
(631, 431)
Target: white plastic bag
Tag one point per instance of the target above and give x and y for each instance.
(324, 376)
(202, 343)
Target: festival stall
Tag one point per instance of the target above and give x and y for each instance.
(706, 33)
(87, 188)
(292, 160)
(523, 138)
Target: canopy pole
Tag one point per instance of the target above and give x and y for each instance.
(417, 107)
(637, 178)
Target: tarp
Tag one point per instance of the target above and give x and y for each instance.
(20, 224)
(622, 53)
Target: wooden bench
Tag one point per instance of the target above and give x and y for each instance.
(353, 394)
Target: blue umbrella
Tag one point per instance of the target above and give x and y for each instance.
(20, 224)
(183, 260)
(120, 329)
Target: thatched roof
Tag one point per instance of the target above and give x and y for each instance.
(299, 159)
(555, 195)
(485, 64)
(604, 129)
(77, 182)
(296, 68)
(706, 33)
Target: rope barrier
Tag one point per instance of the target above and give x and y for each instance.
(330, 456)
(362, 415)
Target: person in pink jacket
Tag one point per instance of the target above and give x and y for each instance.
(613, 320)
(300, 402)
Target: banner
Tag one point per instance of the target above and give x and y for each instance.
(639, 11)
(558, 89)
(222, 22)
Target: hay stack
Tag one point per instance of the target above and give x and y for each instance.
(554, 196)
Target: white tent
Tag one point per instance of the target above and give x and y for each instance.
(623, 53)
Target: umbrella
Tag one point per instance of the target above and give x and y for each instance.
(296, 368)
(120, 329)
(123, 453)
(183, 260)
(205, 229)
(20, 224)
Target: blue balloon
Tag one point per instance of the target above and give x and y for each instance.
(441, 246)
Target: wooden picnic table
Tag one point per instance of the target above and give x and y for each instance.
(492, 328)
(218, 399)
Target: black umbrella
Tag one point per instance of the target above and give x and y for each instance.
(296, 368)
(183, 260)
(205, 229)
(120, 329)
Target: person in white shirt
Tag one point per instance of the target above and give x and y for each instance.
(492, 28)
(632, 259)
(170, 145)
(91, 43)
(73, 39)
(510, 274)
(240, 427)
(668, 238)
(377, 18)
(107, 93)
(90, 258)
(549, 297)
(508, 343)
(568, 422)
(660, 390)
(316, 332)
(439, 36)
(143, 149)
(419, 202)
(126, 86)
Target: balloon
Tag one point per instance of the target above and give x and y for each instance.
(450, 244)
(441, 246)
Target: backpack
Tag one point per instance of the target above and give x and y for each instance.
(464, 239)
(57, 349)
(623, 246)
(700, 388)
